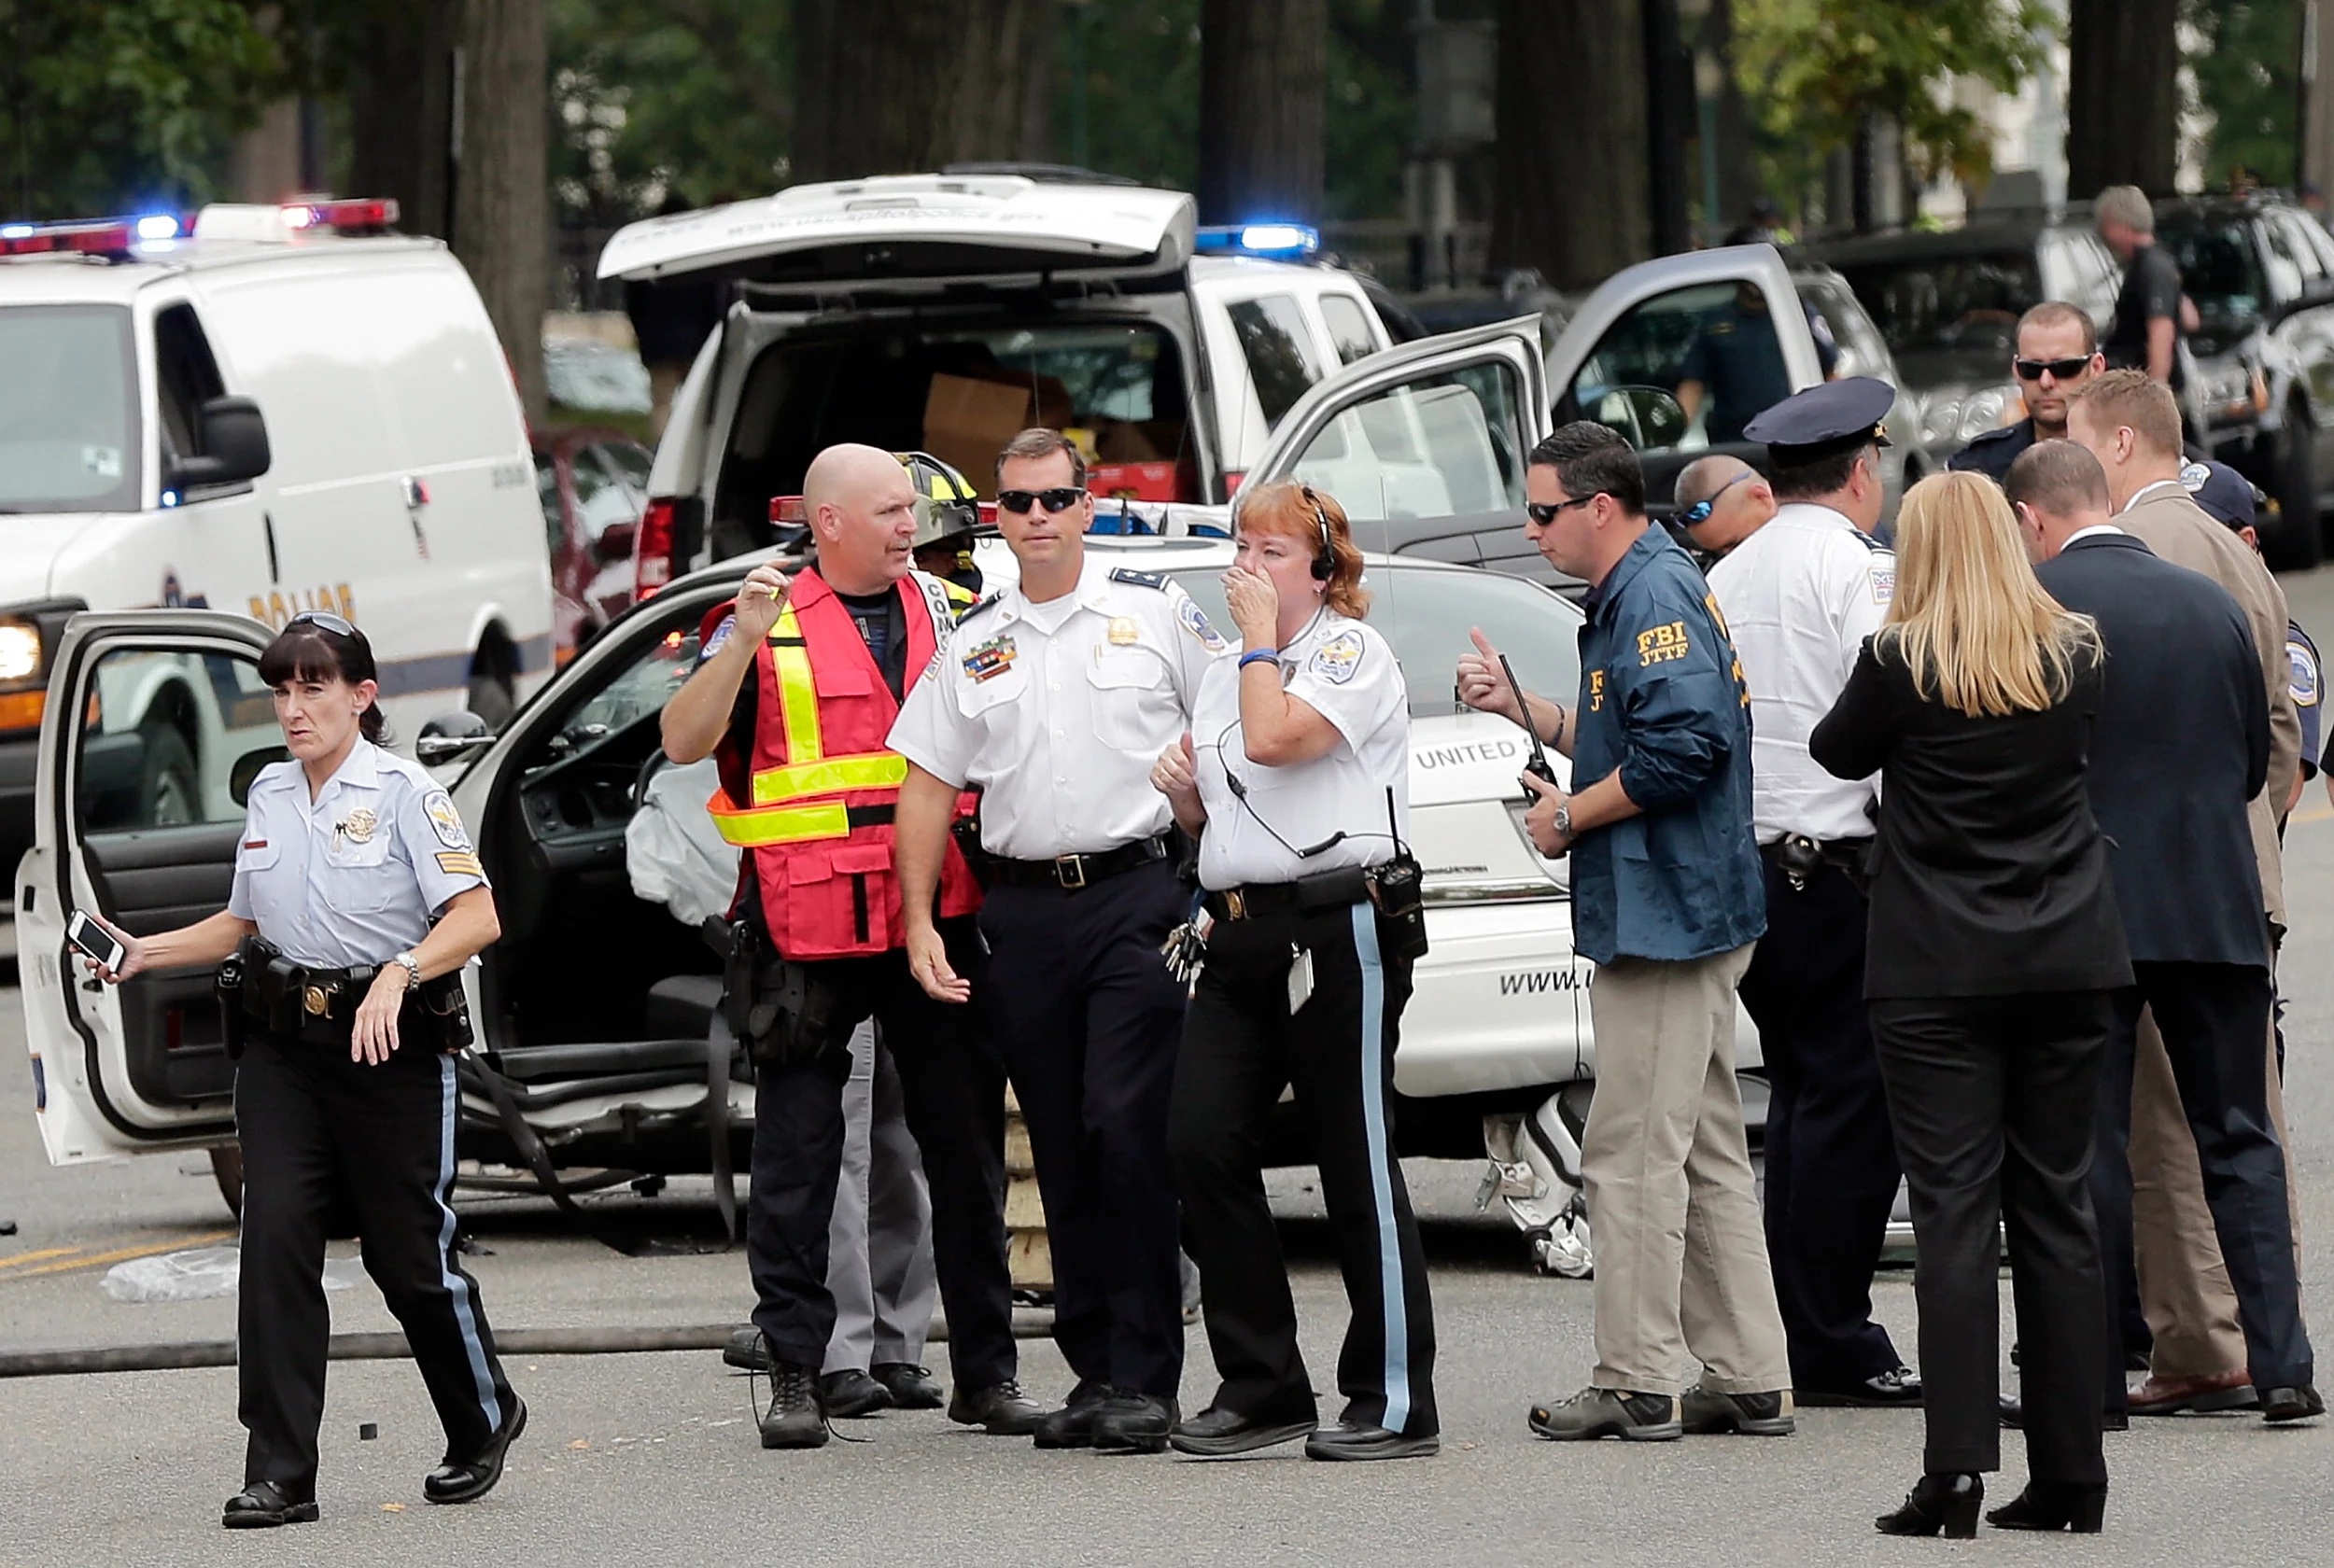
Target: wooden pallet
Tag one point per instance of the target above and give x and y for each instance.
(1026, 1247)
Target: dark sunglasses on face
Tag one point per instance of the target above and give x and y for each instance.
(1545, 512)
(1700, 510)
(2065, 369)
(331, 622)
(1061, 498)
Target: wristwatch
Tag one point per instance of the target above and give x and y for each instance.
(412, 965)
(1564, 821)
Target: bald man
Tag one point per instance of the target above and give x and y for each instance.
(1721, 501)
(797, 683)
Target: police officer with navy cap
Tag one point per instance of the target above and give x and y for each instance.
(1800, 596)
(2231, 499)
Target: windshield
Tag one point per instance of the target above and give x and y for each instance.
(1951, 302)
(2220, 269)
(69, 410)
(1425, 613)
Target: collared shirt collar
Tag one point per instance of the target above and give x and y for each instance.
(2146, 490)
(360, 770)
(2097, 530)
(1632, 562)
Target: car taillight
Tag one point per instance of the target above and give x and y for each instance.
(651, 550)
(1231, 482)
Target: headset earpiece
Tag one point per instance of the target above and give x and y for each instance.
(1325, 559)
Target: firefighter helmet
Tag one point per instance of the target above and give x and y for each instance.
(947, 505)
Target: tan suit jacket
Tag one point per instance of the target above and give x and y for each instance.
(2173, 525)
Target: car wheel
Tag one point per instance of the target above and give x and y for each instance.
(227, 1170)
(490, 694)
(2300, 538)
(169, 795)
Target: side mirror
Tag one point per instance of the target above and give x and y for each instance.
(1647, 417)
(615, 542)
(234, 446)
(247, 770)
(451, 737)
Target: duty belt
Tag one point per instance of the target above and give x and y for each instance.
(1328, 889)
(1797, 856)
(1072, 872)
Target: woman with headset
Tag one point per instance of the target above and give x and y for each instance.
(1295, 780)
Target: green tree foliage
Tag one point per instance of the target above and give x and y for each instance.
(107, 105)
(2245, 61)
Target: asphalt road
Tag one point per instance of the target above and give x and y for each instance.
(651, 1458)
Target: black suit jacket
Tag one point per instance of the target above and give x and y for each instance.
(1989, 876)
(2182, 743)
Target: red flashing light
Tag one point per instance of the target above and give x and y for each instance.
(113, 236)
(348, 216)
(651, 550)
(789, 509)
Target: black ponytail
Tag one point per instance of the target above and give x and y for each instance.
(310, 650)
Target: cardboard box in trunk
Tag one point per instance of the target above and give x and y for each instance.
(967, 423)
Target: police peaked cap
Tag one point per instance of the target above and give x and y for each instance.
(1825, 420)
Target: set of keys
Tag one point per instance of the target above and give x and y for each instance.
(1185, 948)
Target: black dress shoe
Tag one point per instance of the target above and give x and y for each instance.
(1073, 1425)
(1939, 1504)
(747, 1350)
(2053, 1505)
(1001, 1409)
(2281, 1404)
(1216, 1431)
(912, 1387)
(1359, 1440)
(1135, 1424)
(1897, 1388)
(265, 1504)
(470, 1479)
(2014, 1416)
(851, 1392)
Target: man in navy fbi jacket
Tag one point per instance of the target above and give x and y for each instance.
(1668, 898)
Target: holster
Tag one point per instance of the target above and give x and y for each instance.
(966, 832)
(778, 1007)
(442, 1011)
(227, 985)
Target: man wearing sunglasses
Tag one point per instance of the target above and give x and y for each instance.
(2057, 354)
(1721, 501)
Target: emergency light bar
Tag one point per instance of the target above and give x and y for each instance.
(790, 510)
(120, 236)
(348, 214)
(1285, 242)
(87, 236)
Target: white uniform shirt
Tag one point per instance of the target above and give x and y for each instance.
(1799, 596)
(353, 877)
(1345, 671)
(1057, 710)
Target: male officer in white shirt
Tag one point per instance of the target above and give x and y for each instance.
(1800, 595)
(1053, 698)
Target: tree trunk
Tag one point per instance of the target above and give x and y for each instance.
(2122, 95)
(888, 86)
(1739, 183)
(1263, 75)
(502, 197)
(1573, 198)
(2318, 134)
(1669, 120)
(401, 97)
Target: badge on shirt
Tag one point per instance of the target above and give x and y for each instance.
(1336, 660)
(1195, 622)
(445, 820)
(358, 825)
(1123, 631)
(1883, 584)
(991, 659)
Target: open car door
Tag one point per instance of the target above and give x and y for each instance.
(1424, 445)
(1722, 331)
(155, 722)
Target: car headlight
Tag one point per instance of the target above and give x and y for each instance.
(1982, 411)
(19, 649)
(1940, 420)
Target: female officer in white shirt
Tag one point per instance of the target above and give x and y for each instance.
(344, 1088)
(1295, 770)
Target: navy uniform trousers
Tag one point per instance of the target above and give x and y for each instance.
(1241, 1047)
(1832, 1169)
(323, 1135)
(1086, 1016)
(953, 1093)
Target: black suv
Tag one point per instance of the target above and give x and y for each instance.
(2260, 272)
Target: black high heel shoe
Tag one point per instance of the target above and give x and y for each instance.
(2078, 1507)
(1943, 1504)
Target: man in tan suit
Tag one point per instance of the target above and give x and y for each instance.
(2132, 426)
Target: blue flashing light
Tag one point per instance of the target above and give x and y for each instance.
(157, 226)
(15, 231)
(1285, 242)
(170, 498)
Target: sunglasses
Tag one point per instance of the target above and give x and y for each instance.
(1061, 498)
(1545, 512)
(2065, 369)
(331, 622)
(1700, 510)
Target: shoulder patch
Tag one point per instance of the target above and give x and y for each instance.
(461, 862)
(444, 820)
(1140, 578)
(1336, 660)
(2307, 683)
(721, 636)
(978, 606)
(1195, 620)
(1883, 577)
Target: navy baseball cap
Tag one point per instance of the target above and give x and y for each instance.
(2223, 492)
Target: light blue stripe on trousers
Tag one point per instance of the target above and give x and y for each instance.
(1396, 1307)
(465, 1313)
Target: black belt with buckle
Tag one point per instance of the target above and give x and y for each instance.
(1798, 857)
(1072, 872)
(1327, 889)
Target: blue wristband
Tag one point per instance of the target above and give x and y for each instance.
(1255, 653)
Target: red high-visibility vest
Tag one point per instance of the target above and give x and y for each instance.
(823, 784)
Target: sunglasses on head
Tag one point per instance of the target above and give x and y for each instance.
(1062, 498)
(329, 621)
(2065, 369)
(1700, 510)
(1545, 512)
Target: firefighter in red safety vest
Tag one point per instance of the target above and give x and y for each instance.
(796, 686)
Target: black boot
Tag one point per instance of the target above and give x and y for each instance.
(1944, 1503)
(794, 1418)
(2067, 1506)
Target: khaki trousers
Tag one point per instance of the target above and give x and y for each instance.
(1673, 1208)
(2185, 1293)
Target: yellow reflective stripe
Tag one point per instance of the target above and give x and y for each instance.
(869, 770)
(759, 827)
(797, 692)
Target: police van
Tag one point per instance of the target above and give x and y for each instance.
(262, 410)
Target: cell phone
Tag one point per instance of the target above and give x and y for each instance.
(94, 941)
(1538, 767)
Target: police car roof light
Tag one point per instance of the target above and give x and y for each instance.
(1280, 241)
(790, 509)
(346, 215)
(103, 236)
